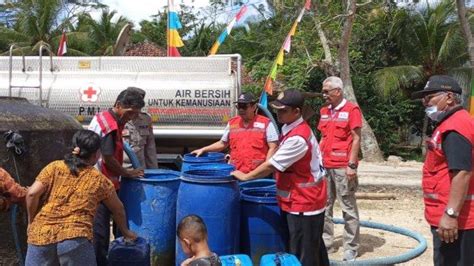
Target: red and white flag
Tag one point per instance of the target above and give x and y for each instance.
(62, 49)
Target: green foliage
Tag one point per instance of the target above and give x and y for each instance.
(429, 42)
(101, 34)
(392, 51)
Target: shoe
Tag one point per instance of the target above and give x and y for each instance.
(331, 250)
(350, 255)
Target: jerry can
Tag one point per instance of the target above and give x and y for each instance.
(236, 260)
(124, 253)
(279, 259)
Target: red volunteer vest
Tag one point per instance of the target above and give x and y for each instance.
(108, 124)
(436, 177)
(248, 145)
(336, 140)
(297, 189)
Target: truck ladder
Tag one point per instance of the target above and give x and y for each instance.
(40, 86)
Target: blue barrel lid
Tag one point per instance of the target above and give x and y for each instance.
(224, 167)
(258, 183)
(259, 195)
(158, 175)
(207, 157)
(207, 176)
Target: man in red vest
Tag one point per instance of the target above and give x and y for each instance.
(448, 184)
(301, 186)
(252, 138)
(109, 125)
(340, 125)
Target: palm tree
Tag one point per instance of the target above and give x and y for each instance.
(102, 34)
(37, 22)
(430, 43)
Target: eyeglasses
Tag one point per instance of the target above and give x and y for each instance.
(428, 98)
(328, 91)
(242, 106)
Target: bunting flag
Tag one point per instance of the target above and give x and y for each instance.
(62, 49)
(227, 30)
(173, 39)
(286, 47)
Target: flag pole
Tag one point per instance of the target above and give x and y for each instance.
(168, 30)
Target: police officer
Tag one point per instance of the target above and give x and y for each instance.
(448, 182)
(301, 186)
(139, 134)
(252, 138)
(340, 127)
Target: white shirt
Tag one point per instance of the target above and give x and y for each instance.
(292, 150)
(339, 106)
(271, 133)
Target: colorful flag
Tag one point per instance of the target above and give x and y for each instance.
(286, 47)
(174, 40)
(227, 30)
(264, 99)
(62, 49)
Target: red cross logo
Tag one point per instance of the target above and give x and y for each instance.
(89, 93)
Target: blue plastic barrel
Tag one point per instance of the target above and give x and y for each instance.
(122, 253)
(214, 196)
(205, 158)
(236, 260)
(150, 204)
(262, 229)
(258, 183)
(280, 259)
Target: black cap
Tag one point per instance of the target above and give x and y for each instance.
(246, 97)
(138, 90)
(291, 98)
(438, 83)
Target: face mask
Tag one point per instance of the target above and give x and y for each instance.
(433, 113)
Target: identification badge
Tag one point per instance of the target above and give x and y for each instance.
(325, 116)
(343, 115)
(258, 125)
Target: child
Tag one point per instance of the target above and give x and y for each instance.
(192, 234)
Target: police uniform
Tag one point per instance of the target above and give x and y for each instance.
(139, 134)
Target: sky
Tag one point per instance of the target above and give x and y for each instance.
(137, 10)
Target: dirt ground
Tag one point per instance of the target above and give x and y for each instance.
(405, 211)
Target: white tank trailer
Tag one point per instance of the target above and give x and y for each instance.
(190, 99)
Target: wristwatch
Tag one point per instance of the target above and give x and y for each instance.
(451, 213)
(352, 165)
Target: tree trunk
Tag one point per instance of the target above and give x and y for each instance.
(369, 145)
(466, 29)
